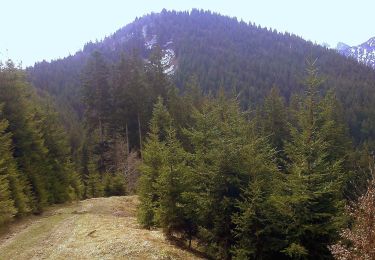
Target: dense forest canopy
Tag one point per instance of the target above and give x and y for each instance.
(222, 52)
(247, 143)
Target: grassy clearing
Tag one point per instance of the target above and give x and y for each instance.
(101, 228)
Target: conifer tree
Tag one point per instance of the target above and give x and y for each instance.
(313, 195)
(170, 213)
(274, 123)
(219, 136)
(10, 174)
(20, 109)
(63, 183)
(7, 207)
(154, 165)
(96, 96)
(258, 224)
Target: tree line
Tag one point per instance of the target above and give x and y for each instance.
(35, 165)
(265, 184)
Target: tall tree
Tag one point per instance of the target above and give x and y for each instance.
(274, 123)
(313, 200)
(25, 125)
(96, 96)
(13, 185)
(7, 207)
(219, 137)
(170, 213)
(154, 164)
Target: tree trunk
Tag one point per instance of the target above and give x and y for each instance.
(127, 139)
(101, 167)
(140, 135)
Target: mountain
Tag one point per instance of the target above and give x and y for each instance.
(342, 46)
(364, 53)
(221, 52)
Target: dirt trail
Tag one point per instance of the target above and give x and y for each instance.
(101, 228)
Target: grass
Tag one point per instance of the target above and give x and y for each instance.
(100, 228)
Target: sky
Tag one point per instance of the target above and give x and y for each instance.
(36, 30)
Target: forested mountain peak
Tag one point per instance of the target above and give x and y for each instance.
(221, 52)
(240, 141)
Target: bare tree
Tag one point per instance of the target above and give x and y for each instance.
(358, 242)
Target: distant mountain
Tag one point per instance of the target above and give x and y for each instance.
(342, 46)
(222, 52)
(364, 53)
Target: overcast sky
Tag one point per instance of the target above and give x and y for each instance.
(31, 31)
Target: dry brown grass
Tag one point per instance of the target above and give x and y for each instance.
(100, 228)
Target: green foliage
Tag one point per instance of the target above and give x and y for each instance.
(12, 180)
(7, 209)
(230, 193)
(170, 185)
(36, 168)
(153, 166)
(313, 200)
(273, 123)
(268, 185)
(94, 185)
(114, 184)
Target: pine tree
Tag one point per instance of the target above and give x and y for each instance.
(258, 224)
(25, 124)
(170, 186)
(96, 96)
(7, 208)
(8, 170)
(154, 165)
(94, 185)
(219, 137)
(274, 123)
(63, 183)
(313, 195)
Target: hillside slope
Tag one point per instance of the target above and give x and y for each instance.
(222, 52)
(101, 228)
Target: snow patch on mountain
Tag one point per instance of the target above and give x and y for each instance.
(151, 43)
(144, 31)
(168, 61)
(364, 53)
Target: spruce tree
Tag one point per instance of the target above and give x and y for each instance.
(63, 183)
(154, 165)
(273, 123)
(218, 136)
(258, 224)
(313, 200)
(18, 186)
(25, 124)
(170, 186)
(7, 207)
(97, 99)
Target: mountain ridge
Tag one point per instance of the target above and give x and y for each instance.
(363, 53)
(221, 52)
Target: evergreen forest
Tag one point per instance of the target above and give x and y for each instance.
(260, 145)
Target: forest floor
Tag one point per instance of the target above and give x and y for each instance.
(100, 228)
